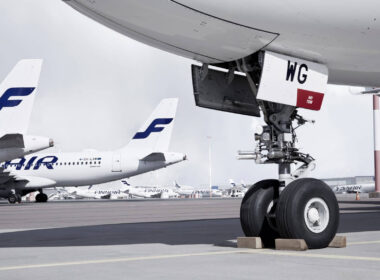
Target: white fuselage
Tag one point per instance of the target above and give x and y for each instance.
(360, 188)
(81, 169)
(151, 192)
(98, 192)
(343, 35)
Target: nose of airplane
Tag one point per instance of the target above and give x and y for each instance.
(51, 142)
(184, 157)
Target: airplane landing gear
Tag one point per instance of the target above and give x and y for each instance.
(13, 198)
(291, 207)
(41, 197)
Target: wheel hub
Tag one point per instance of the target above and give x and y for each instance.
(313, 215)
(316, 215)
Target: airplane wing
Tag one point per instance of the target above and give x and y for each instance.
(25, 181)
(6, 177)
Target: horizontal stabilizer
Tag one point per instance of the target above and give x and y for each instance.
(154, 157)
(12, 141)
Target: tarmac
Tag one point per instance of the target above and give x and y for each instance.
(171, 239)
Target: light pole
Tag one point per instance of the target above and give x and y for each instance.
(376, 132)
(209, 164)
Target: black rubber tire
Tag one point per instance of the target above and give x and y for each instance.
(19, 198)
(41, 197)
(44, 197)
(253, 211)
(290, 212)
(12, 199)
(38, 198)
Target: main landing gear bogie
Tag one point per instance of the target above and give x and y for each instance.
(306, 209)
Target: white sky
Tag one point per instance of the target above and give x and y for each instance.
(97, 87)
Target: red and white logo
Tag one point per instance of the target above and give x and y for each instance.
(309, 99)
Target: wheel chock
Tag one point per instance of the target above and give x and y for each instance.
(338, 242)
(291, 244)
(249, 242)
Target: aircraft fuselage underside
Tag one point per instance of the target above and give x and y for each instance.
(218, 31)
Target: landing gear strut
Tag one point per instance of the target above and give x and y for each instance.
(290, 207)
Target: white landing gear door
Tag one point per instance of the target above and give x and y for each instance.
(293, 81)
(116, 163)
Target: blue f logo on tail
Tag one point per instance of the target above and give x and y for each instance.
(153, 128)
(4, 99)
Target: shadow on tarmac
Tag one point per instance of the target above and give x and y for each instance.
(217, 232)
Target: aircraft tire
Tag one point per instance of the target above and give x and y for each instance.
(12, 199)
(41, 197)
(308, 209)
(255, 211)
(44, 197)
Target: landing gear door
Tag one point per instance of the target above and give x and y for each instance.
(116, 163)
(220, 91)
(292, 81)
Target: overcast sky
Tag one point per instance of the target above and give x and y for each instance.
(97, 87)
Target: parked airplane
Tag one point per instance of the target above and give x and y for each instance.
(357, 188)
(16, 102)
(183, 190)
(103, 191)
(149, 191)
(147, 151)
(237, 190)
(287, 51)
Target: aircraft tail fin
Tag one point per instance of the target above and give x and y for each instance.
(154, 136)
(176, 185)
(125, 182)
(17, 93)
